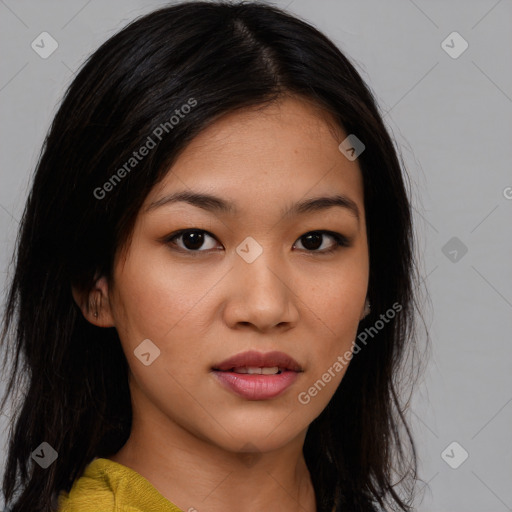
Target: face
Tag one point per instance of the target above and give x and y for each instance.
(205, 283)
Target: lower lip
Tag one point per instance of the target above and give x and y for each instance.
(257, 386)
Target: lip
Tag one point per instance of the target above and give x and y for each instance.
(254, 358)
(256, 386)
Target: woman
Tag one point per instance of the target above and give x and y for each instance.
(186, 344)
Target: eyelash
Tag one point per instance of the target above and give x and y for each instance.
(340, 241)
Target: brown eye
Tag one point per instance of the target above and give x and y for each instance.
(192, 240)
(313, 240)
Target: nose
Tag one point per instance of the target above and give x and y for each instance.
(261, 294)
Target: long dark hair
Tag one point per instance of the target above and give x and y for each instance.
(73, 376)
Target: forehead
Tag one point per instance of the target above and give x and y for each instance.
(266, 156)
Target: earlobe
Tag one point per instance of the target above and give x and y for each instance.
(95, 305)
(367, 309)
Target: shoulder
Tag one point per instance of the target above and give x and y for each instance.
(112, 487)
(89, 492)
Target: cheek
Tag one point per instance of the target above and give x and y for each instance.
(335, 303)
(337, 295)
(156, 297)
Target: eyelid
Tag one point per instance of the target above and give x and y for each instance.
(339, 239)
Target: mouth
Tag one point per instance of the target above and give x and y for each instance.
(256, 370)
(253, 362)
(257, 376)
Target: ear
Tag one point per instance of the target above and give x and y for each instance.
(366, 310)
(95, 305)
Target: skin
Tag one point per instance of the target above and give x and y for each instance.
(188, 431)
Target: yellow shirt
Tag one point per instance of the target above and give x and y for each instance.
(107, 486)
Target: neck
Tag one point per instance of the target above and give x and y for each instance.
(197, 475)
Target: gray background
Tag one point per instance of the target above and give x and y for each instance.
(452, 121)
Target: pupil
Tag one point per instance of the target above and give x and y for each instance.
(193, 240)
(309, 238)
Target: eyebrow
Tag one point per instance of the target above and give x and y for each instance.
(213, 203)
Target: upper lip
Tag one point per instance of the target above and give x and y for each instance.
(260, 360)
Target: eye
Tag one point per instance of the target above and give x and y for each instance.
(313, 240)
(193, 239)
